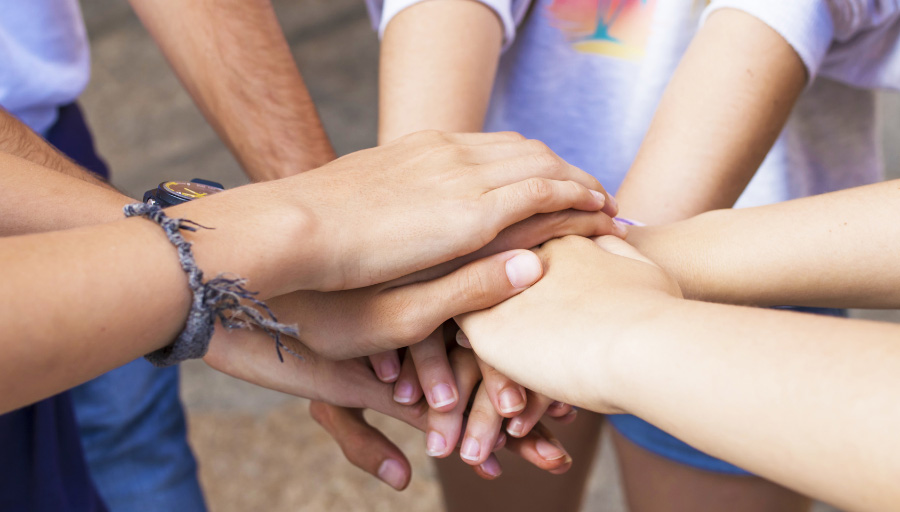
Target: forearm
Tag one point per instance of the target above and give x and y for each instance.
(805, 401)
(37, 199)
(19, 140)
(438, 61)
(232, 57)
(724, 108)
(833, 250)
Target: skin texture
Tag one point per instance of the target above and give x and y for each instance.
(232, 57)
(102, 287)
(719, 256)
(777, 379)
(755, 78)
(719, 116)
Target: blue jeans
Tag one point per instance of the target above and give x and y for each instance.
(131, 420)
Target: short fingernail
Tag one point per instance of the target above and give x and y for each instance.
(556, 405)
(621, 228)
(501, 440)
(389, 370)
(403, 392)
(600, 197)
(511, 401)
(516, 427)
(435, 445)
(462, 340)
(491, 467)
(470, 449)
(391, 472)
(613, 203)
(523, 270)
(548, 450)
(442, 395)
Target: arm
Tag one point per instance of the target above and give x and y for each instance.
(18, 139)
(80, 293)
(833, 250)
(724, 108)
(771, 381)
(438, 61)
(233, 59)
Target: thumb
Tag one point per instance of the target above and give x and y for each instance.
(619, 247)
(475, 286)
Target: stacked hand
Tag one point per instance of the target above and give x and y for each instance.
(440, 232)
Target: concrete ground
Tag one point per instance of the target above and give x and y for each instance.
(259, 450)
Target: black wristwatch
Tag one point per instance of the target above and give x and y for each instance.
(171, 193)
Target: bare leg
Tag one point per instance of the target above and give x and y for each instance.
(522, 487)
(656, 484)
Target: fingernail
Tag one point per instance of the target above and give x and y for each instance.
(501, 440)
(491, 467)
(470, 449)
(403, 392)
(613, 203)
(516, 427)
(391, 472)
(462, 340)
(511, 401)
(442, 395)
(389, 370)
(548, 450)
(600, 197)
(621, 228)
(556, 405)
(435, 444)
(524, 270)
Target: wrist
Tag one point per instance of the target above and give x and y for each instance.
(631, 350)
(258, 233)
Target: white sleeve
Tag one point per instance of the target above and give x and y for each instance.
(806, 25)
(851, 41)
(510, 13)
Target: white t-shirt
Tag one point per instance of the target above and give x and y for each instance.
(44, 58)
(585, 77)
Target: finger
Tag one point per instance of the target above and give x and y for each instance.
(527, 159)
(386, 365)
(513, 203)
(523, 423)
(433, 368)
(482, 430)
(444, 427)
(562, 412)
(406, 389)
(541, 448)
(620, 247)
(363, 445)
(489, 469)
(507, 397)
(478, 285)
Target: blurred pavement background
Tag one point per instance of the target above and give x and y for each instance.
(258, 449)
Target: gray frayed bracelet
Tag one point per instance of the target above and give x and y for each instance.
(219, 297)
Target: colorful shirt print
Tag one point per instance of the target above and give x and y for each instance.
(616, 28)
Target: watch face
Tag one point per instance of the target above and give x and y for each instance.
(186, 191)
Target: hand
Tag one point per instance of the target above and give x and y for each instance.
(567, 325)
(428, 198)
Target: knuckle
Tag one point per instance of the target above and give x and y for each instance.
(538, 147)
(547, 162)
(538, 188)
(320, 412)
(512, 136)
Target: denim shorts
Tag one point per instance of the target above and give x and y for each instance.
(659, 442)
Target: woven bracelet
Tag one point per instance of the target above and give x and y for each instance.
(219, 298)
